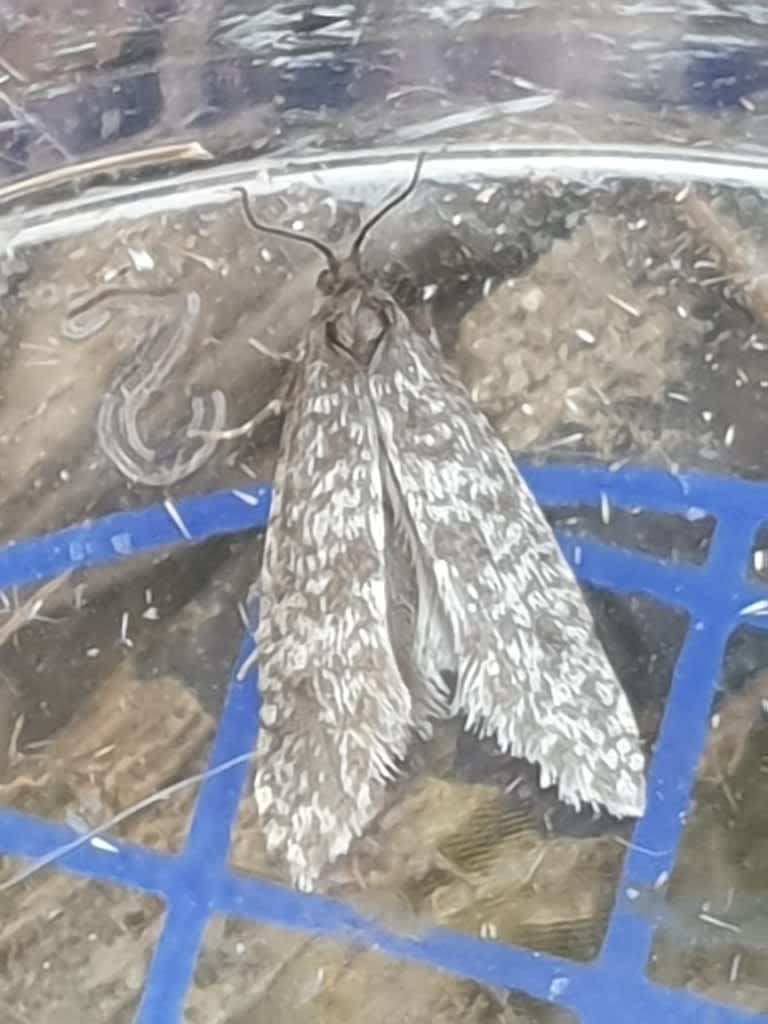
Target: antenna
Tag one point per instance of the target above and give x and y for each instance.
(393, 202)
(295, 236)
(331, 259)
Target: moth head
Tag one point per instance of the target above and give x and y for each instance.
(338, 274)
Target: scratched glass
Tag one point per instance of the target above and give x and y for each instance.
(588, 239)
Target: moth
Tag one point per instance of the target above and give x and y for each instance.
(404, 549)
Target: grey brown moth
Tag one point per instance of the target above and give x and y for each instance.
(404, 545)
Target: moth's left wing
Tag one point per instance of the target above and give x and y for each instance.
(531, 669)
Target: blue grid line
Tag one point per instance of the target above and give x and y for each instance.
(204, 861)
(652, 490)
(682, 735)
(127, 534)
(195, 883)
(124, 535)
(23, 835)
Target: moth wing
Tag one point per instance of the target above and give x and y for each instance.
(531, 670)
(415, 627)
(335, 713)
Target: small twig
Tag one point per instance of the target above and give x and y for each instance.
(117, 819)
(19, 112)
(29, 611)
(151, 156)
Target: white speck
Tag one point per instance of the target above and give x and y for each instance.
(141, 259)
(76, 551)
(578, 555)
(625, 306)
(456, 219)
(266, 255)
(101, 844)
(152, 614)
(246, 498)
(632, 894)
(297, 225)
(558, 987)
(93, 652)
(707, 415)
(735, 967)
(760, 559)
(532, 299)
(747, 104)
(122, 543)
(756, 608)
(729, 436)
(694, 514)
(682, 312)
(124, 638)
(683, 193)
(239, 948)
(677, 396)
(586, 336)
(428, 291)
(485, 195)
(605, 509)
(63, 475)
(173, 513)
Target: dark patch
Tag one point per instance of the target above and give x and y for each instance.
(196, 634)
(671, 537)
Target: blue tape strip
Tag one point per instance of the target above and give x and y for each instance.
(196, 882)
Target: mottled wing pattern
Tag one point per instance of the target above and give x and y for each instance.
(531, 670)
(335, 713)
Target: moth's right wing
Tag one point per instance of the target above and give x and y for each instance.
(531, 671)
(336, 715)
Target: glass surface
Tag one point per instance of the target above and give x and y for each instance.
(589, 238)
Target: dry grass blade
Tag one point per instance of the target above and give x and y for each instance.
(150, 156)
(29, 610)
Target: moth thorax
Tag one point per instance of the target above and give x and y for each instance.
(364, 328)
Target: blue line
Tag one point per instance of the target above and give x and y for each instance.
(679, 745)
(209, 834)
(126, 534)
(631, 572)
(31, 838)
(652, 490)
(465, 956)
(173, 962)
(629, 998)
(203, 862)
